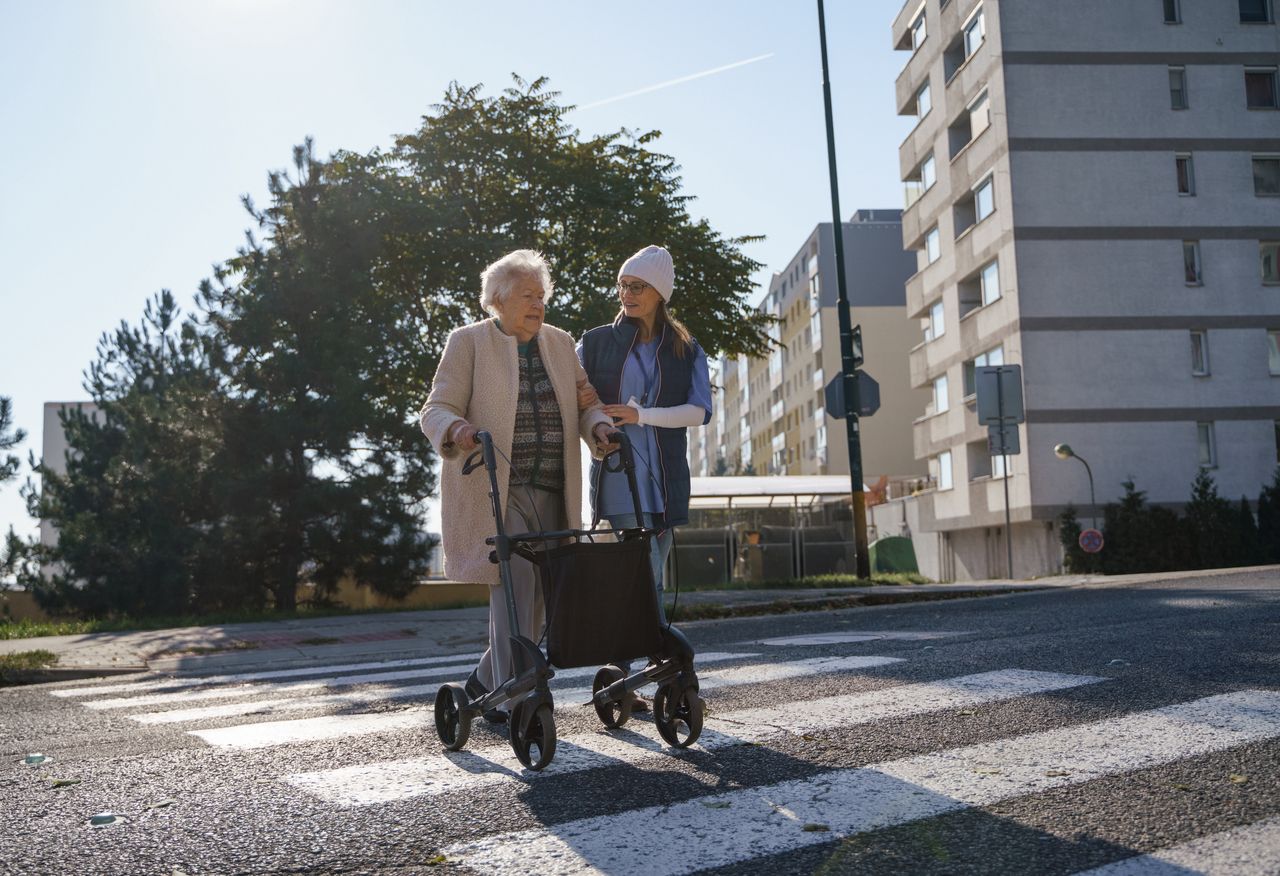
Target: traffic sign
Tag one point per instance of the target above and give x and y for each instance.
(999, 390)
(868, 396)
(1090, 541)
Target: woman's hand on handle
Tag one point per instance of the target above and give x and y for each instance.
(463, 434)
(604, 433)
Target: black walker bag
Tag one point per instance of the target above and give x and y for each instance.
(601, 603)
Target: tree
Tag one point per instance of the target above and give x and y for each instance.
(135, 510)
(485, 175)
(721, 467)
(1140, 537)
(1269, 520)
(1212, 525)
(11, 549)
(325, 460)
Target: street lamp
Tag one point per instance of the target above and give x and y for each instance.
(1064, 451)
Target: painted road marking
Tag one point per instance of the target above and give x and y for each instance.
(270, 733)
(201, 680)
(1251, 850)
(845, 638)
(369, 695)
(741, 825)
(385, 782)
(762, 672)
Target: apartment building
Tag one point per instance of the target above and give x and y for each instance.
(1092, 194)
(770, 415)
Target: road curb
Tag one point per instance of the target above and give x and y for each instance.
(17, 677)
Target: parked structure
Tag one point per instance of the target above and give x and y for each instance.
(1091, 193)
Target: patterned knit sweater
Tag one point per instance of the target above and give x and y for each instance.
(537, 447)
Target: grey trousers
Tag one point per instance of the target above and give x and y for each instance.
(527, 511)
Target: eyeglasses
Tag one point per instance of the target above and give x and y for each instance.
(634, 288)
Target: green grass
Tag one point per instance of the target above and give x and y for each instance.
(24, 661)
(817, 581)
(28, 629)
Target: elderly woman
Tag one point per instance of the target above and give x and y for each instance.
(520, 380)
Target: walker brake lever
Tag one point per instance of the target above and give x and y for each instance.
(474, 461)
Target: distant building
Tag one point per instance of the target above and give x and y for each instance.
(770, 415)
(1092, 194)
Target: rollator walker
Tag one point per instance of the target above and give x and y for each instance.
(602, 608)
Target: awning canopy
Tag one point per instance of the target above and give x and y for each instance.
(767, 491)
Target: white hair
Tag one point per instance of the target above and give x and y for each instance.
(497, 280)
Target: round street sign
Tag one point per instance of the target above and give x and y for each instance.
(1090, 541)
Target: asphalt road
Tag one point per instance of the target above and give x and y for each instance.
(1050, 732)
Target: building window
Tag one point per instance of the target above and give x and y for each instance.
(1269, 255)
(1266, 174)
(1273, 353)
(1208, 446)
(937, 324)
(1255, 11)
(918, 31)
(941, 403)
(984, 198)
(990, 278)
(1199, 353)
(1186, 174)
(933, 244)
(928, 172)
(1178, 88)
(979, 114)
(1191, 262)
(991, 357)
(974, 33)
(1260, 87)
(1172, 12)
(924, 101)
(944, 470)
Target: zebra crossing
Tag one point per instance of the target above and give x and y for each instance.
(279, 710)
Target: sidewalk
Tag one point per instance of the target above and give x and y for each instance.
(415, 634)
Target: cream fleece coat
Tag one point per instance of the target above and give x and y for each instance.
(478, 380)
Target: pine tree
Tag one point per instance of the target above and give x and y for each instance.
(1211, 523)
(1269, 520)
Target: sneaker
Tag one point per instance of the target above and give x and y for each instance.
(638, 704)
(496, 716)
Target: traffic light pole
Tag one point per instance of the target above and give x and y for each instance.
(848, 363)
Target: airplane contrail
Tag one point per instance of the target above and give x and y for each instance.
(671, 82)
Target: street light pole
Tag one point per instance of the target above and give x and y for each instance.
(1064, 451)
(848, 365)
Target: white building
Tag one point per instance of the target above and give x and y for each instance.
(1092, 195)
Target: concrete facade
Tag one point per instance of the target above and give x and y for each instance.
(771, 413)
(1087, 232)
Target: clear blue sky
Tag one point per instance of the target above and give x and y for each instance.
(129, 129)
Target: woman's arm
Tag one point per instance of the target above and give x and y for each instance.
(696, 411)
(450, 397)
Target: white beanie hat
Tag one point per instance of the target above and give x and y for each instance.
(653, 265)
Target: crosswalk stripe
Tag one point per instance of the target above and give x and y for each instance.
(735, 826)
(372, 694)
(1251, 850)
(268, 733)
(247, 690)
(762, 672)
(203, 680)
(438, 773)
(868, 636)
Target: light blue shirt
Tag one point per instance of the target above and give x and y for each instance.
(640, 381)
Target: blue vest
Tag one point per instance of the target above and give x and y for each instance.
(605, 351)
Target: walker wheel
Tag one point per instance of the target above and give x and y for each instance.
(535, 745)
(453, 723)
(678, 714)
(613, 714)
